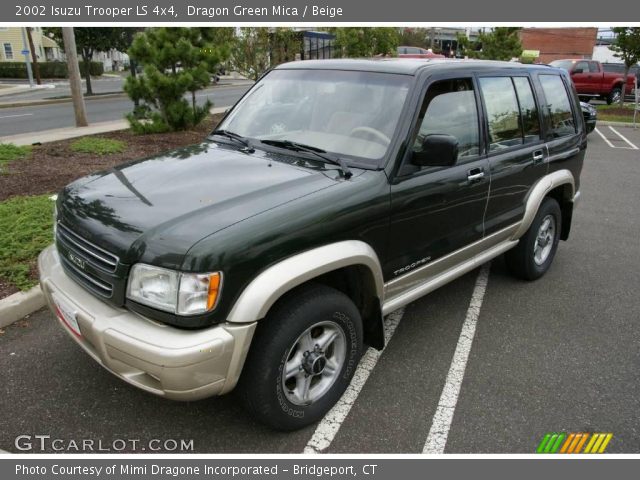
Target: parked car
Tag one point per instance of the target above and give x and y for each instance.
(590, 115)
(592, 81)
(417, 52)
(333, 193)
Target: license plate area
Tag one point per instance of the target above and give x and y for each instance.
(67, 314)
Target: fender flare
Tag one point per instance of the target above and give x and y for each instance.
(259, 296)
(537, 194)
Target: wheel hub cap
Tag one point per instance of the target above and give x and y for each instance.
(314, 362)
(544, 240)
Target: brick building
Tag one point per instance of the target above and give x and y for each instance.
(556, 43)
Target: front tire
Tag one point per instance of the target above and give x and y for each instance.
(533, 255)
(302, 358)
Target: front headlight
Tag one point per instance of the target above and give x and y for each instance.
(175, 292)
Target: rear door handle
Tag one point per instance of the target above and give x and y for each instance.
(475, 175)
(538, 156)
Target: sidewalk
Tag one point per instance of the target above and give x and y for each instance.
(13, 89)
(57, 134)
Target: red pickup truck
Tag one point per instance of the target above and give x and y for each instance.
(592, 81)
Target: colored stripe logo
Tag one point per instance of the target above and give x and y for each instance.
(574, 443)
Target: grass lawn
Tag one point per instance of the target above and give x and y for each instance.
(10, 152)
(25, 230)
(615, 113)
(98, 146)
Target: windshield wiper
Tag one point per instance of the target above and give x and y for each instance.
(318, 152)
(237, 137)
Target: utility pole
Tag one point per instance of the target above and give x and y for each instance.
(69, 40)
(25, 52)
(34, 56)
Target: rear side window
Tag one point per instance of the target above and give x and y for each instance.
(449, 108)
(528, 110)
(503, 114)
(558, 107)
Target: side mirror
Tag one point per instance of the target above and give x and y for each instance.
(437, 151)
(577, 70)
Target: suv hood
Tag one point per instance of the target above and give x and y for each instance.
(154, 210)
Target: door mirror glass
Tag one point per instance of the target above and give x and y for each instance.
(438, 150)
(577, 70)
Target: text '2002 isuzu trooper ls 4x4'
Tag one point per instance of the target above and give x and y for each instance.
(331, 194)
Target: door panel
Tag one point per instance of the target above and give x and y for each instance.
(437, 210)
(516, 149)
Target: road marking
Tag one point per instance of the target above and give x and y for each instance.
(332, 421)
(623, 137)
(439, 432)
(604, 138)
(20, 115)
(611, 144)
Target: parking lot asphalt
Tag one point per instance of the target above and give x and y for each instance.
(561, 354)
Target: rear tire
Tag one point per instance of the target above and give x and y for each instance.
(614, 95)
(533, 255)
(295, 372)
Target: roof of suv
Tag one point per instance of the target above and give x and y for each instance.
(405, 66)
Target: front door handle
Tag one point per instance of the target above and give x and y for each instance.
(538, 157)
(475, 175)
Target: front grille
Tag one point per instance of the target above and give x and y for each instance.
(88, 264)
(101, 258)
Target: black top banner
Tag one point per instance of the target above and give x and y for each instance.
(296, 11)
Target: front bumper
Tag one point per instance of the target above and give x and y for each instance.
(166, 361)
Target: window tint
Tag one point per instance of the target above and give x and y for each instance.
(584, 66)
(450, 108)
(503, 115)
(558, 106)
(593, 67)
(530, 122)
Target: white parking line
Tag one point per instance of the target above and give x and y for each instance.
(20, 115)
(439, 432)
(332, 421)
(604, 138)
(623, 137)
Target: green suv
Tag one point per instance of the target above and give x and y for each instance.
(265, 258)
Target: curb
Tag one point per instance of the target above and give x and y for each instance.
(54, 135)
(16, 306)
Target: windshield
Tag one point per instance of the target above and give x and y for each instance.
(564, 64)
(350, 114)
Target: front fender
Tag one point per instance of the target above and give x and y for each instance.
(263, 291)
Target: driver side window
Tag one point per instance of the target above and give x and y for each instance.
(450, 108)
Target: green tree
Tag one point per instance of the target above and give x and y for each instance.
(176, 61)
(366, 41)
(256, 49)
(501, 43)
(627, 48)
(88, 41)
(414, 37)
